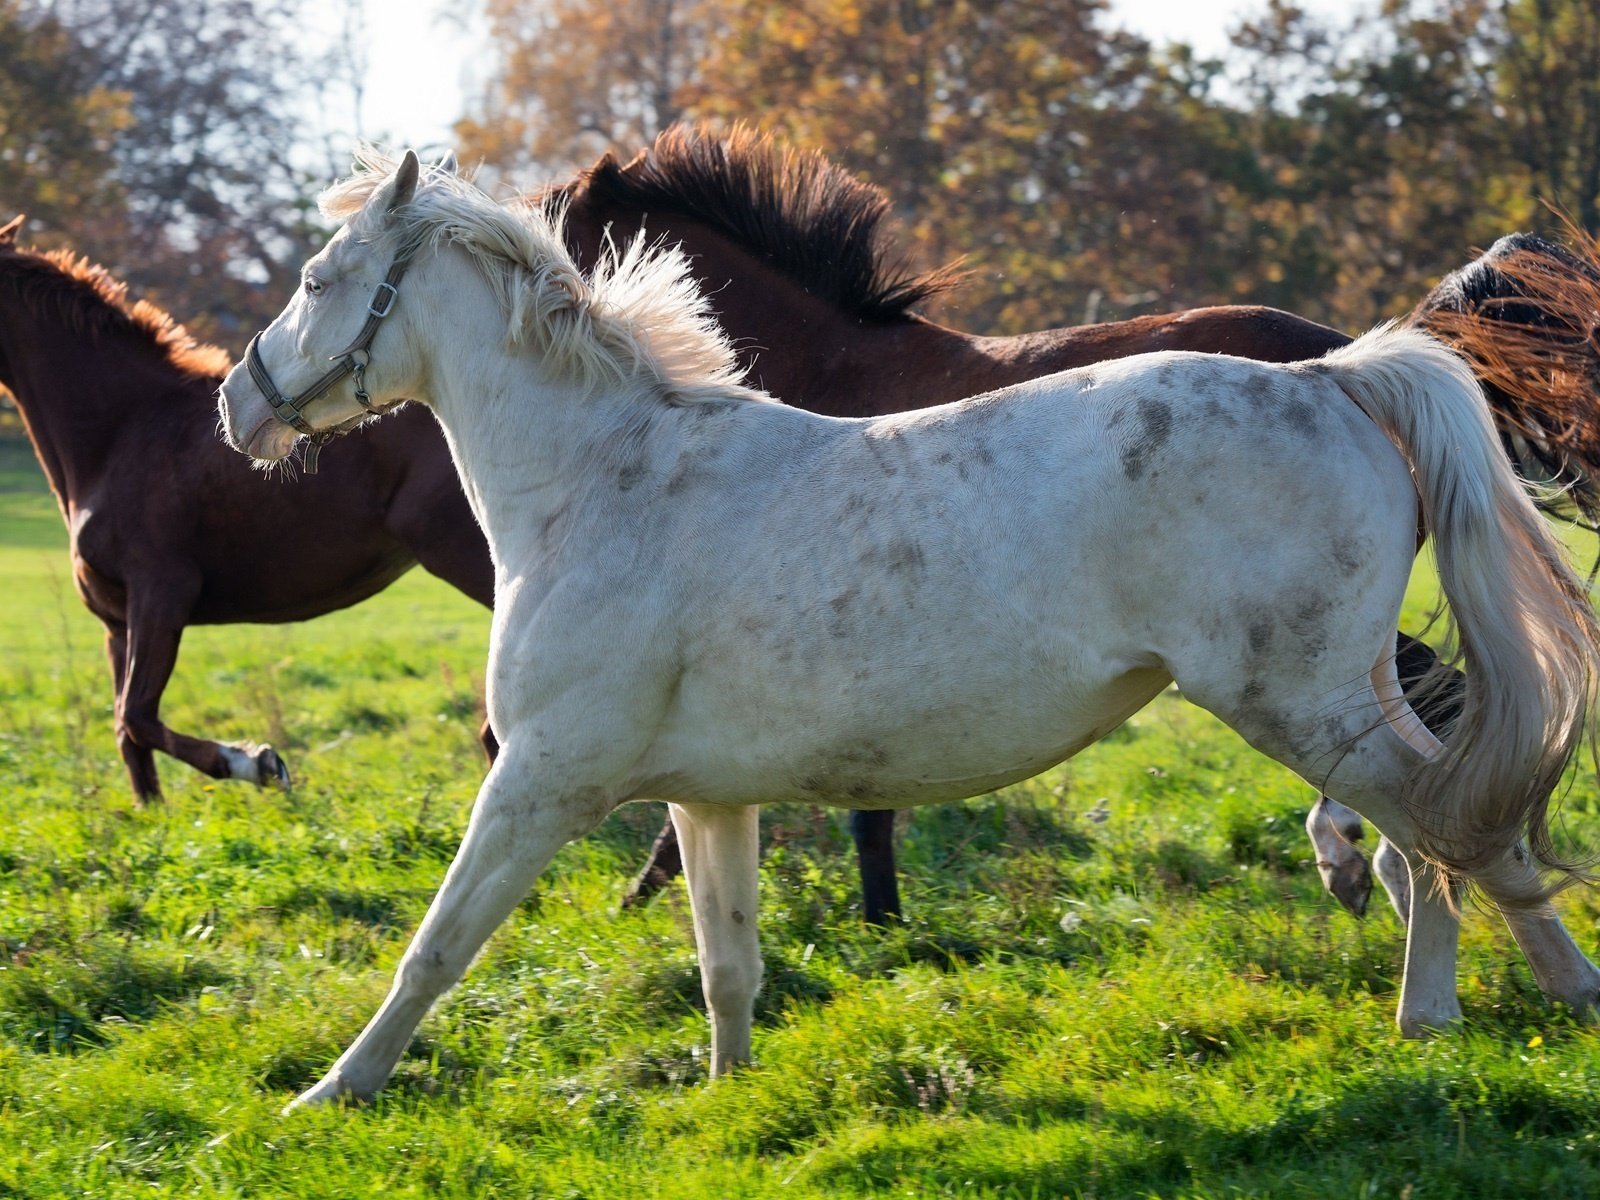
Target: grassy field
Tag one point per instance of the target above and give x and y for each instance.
(1161, 1003)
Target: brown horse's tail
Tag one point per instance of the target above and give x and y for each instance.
(1524, 627)
(1526, 316)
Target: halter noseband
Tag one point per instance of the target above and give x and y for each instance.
(352, 360)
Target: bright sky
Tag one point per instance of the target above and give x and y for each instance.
(424, 66)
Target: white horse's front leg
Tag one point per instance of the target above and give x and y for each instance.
(721, 864)
(517, 826)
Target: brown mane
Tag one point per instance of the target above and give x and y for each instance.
(94, 302)
(804, 215)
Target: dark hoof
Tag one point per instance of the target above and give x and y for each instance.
(644, 886)
(271, 769)
(1351, 885)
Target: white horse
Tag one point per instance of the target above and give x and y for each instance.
(705, 597)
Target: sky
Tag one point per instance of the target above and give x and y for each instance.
(424, 67)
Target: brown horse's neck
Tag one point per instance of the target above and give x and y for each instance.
(75, 382)
(812, 354)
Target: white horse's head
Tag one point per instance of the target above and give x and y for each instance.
(333, 355)
(636, 321)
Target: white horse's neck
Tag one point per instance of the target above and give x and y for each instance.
(524, 444)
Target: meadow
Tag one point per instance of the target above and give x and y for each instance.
(1118, 980)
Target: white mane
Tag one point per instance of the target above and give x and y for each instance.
(638, 314)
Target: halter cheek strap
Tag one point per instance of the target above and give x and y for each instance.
(352, 360)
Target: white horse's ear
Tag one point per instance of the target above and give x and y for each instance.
(9, 231)
(448, 164)
(405, 182)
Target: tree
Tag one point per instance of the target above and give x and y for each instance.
(576, 78)
(57, 125)
(1081, 171)
(190, 111)
(1547, 81)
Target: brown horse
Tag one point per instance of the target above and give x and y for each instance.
(106, 389)
(790, 247)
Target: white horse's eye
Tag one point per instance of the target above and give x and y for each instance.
(313, 285)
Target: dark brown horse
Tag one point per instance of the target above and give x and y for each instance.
(790, 247)
(170, 528)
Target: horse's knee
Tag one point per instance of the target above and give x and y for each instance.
(730, 985)
(429, 971)
(141, 764)
(137, 732)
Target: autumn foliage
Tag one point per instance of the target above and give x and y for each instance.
(1084, 173)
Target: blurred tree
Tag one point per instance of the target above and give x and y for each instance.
(575, 78)
(1545, 77)
(57, 125)
(198, 111)
(1085, 173)
(1332, 168)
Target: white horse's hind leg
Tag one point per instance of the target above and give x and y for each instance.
(1390, 867)
(1343, 739)
(721, 851)
(1562, 971)
(1332, 829)
(1428, 1001)
(510, 839)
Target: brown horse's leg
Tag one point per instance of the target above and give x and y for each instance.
(663, 866)
(874, 837)
(880, 888)
(438, 536)
(152, 652)
(140, 760)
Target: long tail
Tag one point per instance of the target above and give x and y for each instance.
(1526, 315)
(1523, 623)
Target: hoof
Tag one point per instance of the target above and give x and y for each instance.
(257, 764)
(1348, 882)
(329, 1091)
(271, 771)
(644, 886)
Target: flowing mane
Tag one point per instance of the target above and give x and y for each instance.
(89, 298)
(804, 215)
(638, 315)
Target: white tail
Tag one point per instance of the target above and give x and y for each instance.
(1525, 629)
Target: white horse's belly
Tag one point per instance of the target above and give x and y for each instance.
(877, 754)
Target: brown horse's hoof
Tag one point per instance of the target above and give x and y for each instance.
(645, 885)
(272, 772)
(255, 763)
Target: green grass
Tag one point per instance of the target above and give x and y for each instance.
(1207, 1024)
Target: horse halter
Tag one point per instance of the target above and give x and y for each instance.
(352, 360)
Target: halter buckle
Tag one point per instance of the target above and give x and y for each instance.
(384, 294)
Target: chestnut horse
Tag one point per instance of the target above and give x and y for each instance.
(106, 389)
(790, 249)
